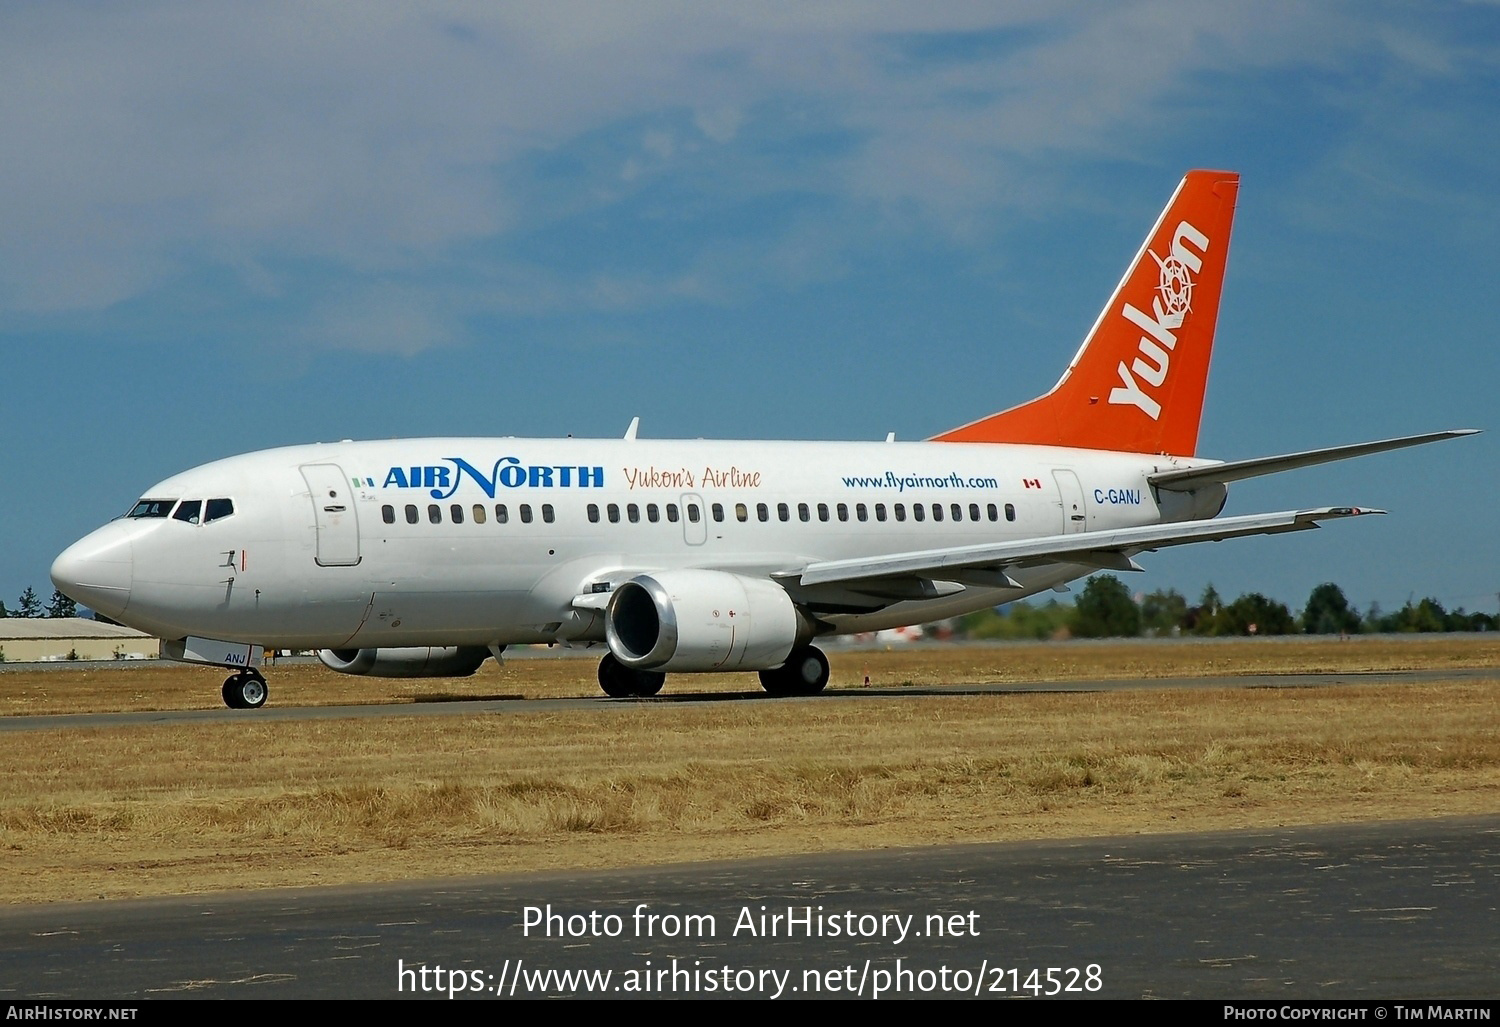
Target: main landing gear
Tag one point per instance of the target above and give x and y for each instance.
(245, 690)
(622, 682)
(805, 672)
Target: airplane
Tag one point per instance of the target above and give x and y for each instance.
(424, 557)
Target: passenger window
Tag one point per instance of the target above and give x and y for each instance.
(613, 509)
(880, 511)
(188, 510)
(803, 513)
(653, 512)
(693, 513)
(861, 512)
(741, 512)
(593, 513)
(547, 513)
(633, 512)
(843, 509)
(388, 514)
(783, 512)
(502, 514)
(672, 513)
(900, 509)
(957, 511)
(822, 511)
(434, 513)
(763, 512)
(457, 513)
(718, 510)
(525, 513)
(1010, 511)
(218, 509)
(479, 513)
(973, 511)
(918, 512)
(937, 511)
(411, 513)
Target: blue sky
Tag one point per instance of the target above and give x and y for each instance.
(227, 226)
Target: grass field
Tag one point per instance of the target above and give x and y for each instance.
(543, 675)
(96, 812)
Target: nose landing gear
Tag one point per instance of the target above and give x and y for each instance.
(245, 690)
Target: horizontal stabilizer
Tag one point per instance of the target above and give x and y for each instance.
(1235, 470)
(1087, 548)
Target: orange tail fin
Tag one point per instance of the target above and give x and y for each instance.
(1137, 383)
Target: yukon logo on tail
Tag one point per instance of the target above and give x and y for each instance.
(1169, 308)
(1138, 382)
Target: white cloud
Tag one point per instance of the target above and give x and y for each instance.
(379, 140)
(380, 319)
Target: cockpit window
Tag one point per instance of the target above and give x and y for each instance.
(189, 510)
(217, 510)
(152, 508)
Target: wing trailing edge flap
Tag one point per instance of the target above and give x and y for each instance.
(985, 566)
(1189, 478)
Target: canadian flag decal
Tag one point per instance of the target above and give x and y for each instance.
(1032, 483)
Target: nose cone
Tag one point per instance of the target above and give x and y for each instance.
(96, 571)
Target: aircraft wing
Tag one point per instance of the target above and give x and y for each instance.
(1190, 478)
(986, 564)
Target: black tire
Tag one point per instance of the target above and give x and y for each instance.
(775, 681)
(245, 691)
(805, 672)
(808, 669)
(615, 678)
(622, 682)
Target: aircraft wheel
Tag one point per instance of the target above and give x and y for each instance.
(805, 672)
(622, 682)
(649, 682)
(808, 668)
(245, 691)
(613, 679)
(775, 681)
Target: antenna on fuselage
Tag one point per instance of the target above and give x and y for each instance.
(635, 424)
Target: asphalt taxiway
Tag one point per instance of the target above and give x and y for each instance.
(1367, 911)
(512, 705)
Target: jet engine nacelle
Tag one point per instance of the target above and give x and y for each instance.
(687, 620)
(415, 662)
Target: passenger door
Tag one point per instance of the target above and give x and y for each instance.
(333, 514)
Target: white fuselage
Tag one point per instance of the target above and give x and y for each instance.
(490, 541)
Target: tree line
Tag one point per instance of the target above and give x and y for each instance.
(30, 605)
(1106, 609)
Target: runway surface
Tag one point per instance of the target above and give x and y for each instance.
(516, 706)
(1372, 911)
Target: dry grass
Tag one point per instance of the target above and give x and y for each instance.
(154, 810)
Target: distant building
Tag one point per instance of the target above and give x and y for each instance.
(45, 639)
